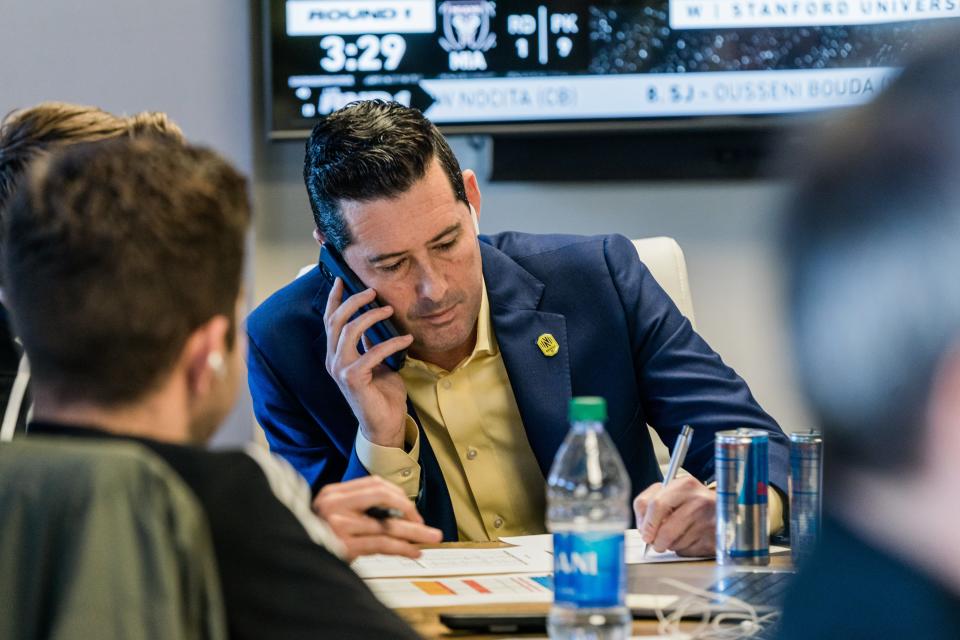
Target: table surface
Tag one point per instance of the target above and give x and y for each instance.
(427, 621)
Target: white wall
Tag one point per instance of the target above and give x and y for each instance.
(190, 59)
(199, 62)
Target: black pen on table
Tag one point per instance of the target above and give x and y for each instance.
(676, 459)
(382, 513)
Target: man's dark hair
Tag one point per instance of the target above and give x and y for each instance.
(115, 252)
(873, 247)
(369, 150)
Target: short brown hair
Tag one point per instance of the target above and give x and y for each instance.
(116, 251)
(26, 134)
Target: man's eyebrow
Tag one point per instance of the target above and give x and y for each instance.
(454, 227)
(387, 256)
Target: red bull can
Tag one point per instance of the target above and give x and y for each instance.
(742, 477)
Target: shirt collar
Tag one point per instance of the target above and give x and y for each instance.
(486, 341)
(486, 344)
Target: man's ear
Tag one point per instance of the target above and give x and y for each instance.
(472, 187)
(204, 355)
(318, 236)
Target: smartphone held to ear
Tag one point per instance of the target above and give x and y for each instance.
(332, 265)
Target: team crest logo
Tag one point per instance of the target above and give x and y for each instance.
(466, 25)
(548, 345)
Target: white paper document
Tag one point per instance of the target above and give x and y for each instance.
(456, 561)
(633, 548)
(543, 541)
(675, 636)
(399, 593)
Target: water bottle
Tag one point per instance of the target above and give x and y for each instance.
(588, 508)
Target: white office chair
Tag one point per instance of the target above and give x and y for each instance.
(664, 257)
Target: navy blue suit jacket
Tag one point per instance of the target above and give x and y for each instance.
(620, 336)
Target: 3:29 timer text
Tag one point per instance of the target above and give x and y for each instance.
(368, 53)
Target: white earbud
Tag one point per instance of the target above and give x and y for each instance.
(216, 363)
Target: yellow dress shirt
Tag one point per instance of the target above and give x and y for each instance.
(472, 422)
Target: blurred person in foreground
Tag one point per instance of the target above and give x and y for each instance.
(873, 240)
(123, 262)
(32, 133)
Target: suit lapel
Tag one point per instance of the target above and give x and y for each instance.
(541, 384)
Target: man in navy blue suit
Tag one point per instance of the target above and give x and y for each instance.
(500, 332)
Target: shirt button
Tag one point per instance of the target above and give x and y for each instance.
(446, 384)
(406, 473)
(471, 453)
(498, 523)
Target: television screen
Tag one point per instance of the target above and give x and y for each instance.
(485, 66)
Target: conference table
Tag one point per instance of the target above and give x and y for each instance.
(643, 578)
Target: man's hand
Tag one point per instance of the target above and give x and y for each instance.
(681, 517)
(376, 394)
(342, 506)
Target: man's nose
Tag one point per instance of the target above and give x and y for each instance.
(432, 283)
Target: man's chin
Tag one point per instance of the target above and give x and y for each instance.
(442, 341)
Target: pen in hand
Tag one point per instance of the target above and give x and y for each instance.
(676, 459)
(382, 513)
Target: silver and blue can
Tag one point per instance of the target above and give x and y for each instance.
(806, 492)
(742, 481)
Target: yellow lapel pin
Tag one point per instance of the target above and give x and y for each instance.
(548, 344)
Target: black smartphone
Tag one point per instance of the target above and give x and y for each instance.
(495, 622)
(332, 265)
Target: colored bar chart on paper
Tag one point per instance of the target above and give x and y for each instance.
(401, 593)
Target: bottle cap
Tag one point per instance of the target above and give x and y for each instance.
(588, 409)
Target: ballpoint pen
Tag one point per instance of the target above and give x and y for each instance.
(676, 459)
(382, 513)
